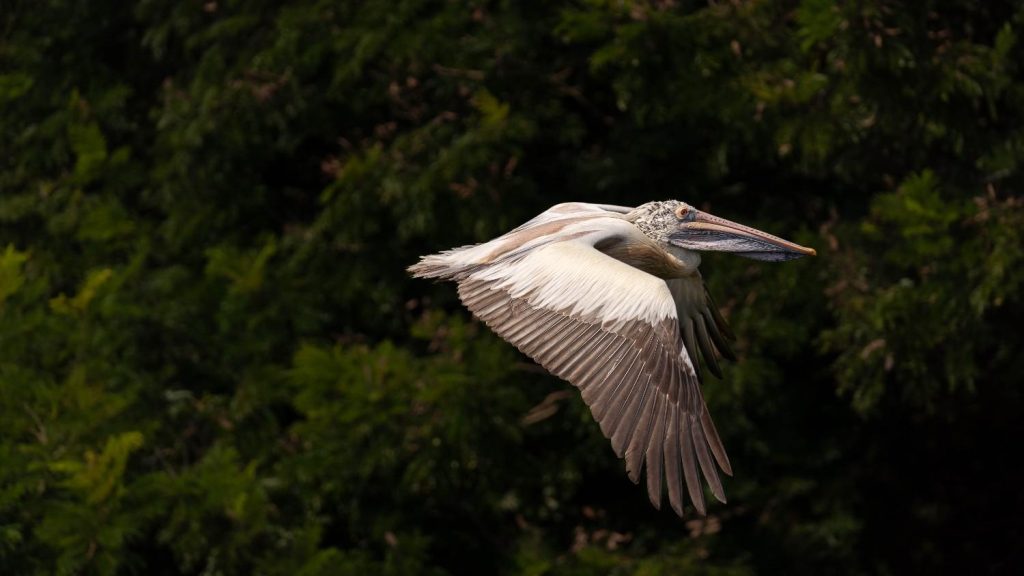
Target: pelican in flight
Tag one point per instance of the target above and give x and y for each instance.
(609, 298)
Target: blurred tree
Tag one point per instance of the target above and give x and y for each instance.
(212, 362)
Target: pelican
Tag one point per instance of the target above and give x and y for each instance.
(609, 298)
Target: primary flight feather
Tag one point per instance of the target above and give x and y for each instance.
(609, 298)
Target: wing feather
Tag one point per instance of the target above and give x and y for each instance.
(689, 458)
(704, 341)
(599, 372)
(638, 444)
(620, 420)
(570, 338)
(627, 424)
(715, 443)
(720, 325)
(591, 372)
(630, 424)
(672, 468)
(610, 395)
(654, 454)
(689, 340)
(704, 458)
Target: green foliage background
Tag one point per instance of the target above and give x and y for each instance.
(212, 361)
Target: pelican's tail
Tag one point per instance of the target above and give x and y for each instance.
(448, 265)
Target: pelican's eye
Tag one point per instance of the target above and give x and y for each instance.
(682, 211)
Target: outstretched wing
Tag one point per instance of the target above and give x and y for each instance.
(613, 331)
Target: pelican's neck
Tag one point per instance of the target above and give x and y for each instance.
(656, 258)
(688, 259)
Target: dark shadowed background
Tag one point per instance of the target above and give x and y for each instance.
(212, 360)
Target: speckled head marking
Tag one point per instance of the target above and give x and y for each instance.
(659, 219)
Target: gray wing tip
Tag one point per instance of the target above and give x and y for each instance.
(727, 468)
(632, 472)
(678, 508)
(714, 442)
(655, 500)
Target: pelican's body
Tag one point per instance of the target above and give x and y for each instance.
(610, 299)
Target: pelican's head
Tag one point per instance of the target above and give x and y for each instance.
(679, 224)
